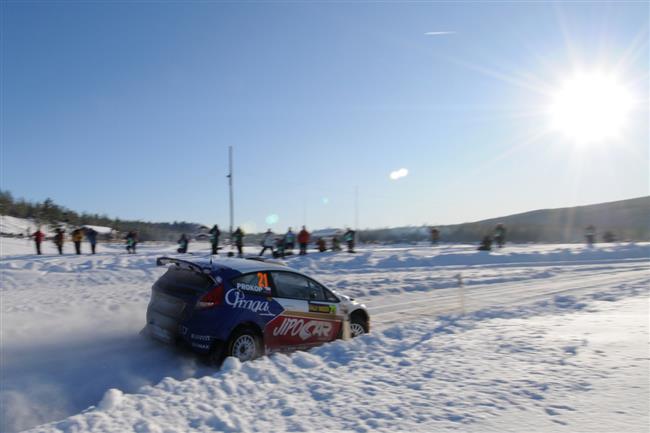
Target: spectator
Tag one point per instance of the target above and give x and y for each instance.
(289, 240)
(91, 235)
(590, 235)
(500, 235)
(59, 239)
(131, 241)
(238, 237)
(435, 236)
(336, 243)
(348, 237)
(77, 237)
(303, 240)
(183, 243)
(38, 236)
(486, 244)
(322, 246)
(268, 242)
(279, 247)
(214, 238)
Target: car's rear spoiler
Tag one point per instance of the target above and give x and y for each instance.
(184, 264)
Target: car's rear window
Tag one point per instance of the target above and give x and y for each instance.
(184, 281)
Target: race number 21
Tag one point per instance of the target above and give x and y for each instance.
(262, 279)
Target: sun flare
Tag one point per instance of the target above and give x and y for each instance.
(590, 108)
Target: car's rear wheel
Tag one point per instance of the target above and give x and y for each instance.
(245, 345)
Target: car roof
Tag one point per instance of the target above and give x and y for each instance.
(208, 264)
(248, 265)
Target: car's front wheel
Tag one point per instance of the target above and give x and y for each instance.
(245, 345)
(357, 326)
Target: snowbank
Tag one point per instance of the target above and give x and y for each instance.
(70, 340)
(549, 373)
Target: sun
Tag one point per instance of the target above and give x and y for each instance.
(589, 108)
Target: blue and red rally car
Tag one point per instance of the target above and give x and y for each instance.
(246, 308)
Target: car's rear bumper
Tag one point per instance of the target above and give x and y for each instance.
(160, 334)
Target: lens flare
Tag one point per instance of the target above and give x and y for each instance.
(397, 174)
(272, 219)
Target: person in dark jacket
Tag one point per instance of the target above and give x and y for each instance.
(214, 238)
(435, 236)
(500, 235)
(336, 243)
(280, 247)
(91, 236)
(183, 243)
(486, 244)
(38, 236)
(322, 246)
(131, 241)
(590, 235)
(289, 241)
(238, 237)
(77, 236)
(303, 240)
(59, 239)
(348, 237)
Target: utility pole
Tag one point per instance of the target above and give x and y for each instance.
(356, 208)
(230, 186)
(356, 214)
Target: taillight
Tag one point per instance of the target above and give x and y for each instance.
(211, 299)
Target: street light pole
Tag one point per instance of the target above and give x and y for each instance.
(231, 195)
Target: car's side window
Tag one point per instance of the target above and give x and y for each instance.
(318, 292)
(292, 286)
(256, 283)
(329, 296)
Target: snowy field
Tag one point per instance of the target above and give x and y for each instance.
(543, 338)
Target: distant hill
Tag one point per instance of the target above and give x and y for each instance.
(624, 219)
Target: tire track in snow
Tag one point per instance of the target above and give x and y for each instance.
(482, 296)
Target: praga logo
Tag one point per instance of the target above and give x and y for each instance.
(303, 328)
(237, 299)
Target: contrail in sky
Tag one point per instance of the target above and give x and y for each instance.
(439, 33)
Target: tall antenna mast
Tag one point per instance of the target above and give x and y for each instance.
(356, 208)
(230, 186)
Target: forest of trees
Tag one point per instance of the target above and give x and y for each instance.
(620, 220)
(48, 212)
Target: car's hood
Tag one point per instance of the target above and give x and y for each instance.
(348, 302)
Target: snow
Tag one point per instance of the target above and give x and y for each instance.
(100, 229)
(22, 226)
(554, 338)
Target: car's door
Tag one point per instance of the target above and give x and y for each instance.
(310, 313)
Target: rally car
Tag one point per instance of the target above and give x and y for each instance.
(246, 308)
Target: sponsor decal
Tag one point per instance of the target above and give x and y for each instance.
(322, 308)
(303, 328)
(237, 299)
(255, 289)
(201, 346)
(200, 337)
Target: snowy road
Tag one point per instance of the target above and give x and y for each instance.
(70, 324)
(393, 308)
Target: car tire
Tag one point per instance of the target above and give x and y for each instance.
(244, 344)
(357, 326)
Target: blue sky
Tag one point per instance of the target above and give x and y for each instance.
(129, 108)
